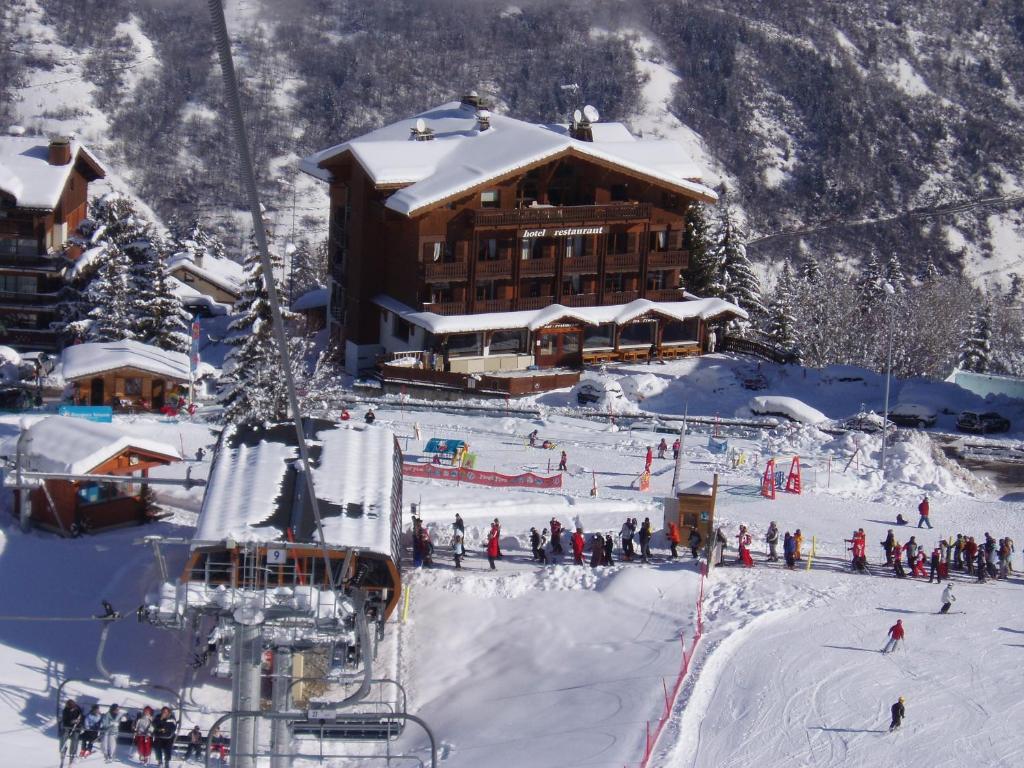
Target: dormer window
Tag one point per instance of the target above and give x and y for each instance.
(490, 199)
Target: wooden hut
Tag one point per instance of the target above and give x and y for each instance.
(127, 375)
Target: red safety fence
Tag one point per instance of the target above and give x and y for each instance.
(477, 477)
(651, 739)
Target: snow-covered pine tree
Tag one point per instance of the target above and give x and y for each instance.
(928, 272)
(811, 272)
(110, 293)
(704, 272)
(976, 348)
(163, 322)
(870, 281)
(738, 279)
(894, 274)
(252, 384)
(781, 325)
(195, 242)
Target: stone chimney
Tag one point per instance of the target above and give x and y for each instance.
(60, 150)
(483, 119)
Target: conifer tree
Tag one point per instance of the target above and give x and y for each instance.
(928, 272)
(811, 272)
(894, 274)
(738, 279)
(703, 274)
(109, 293)
(781, 325)
(976, 348)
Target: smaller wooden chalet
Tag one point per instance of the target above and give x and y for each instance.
(43, 198)
(126, 375)
(312, 305)
(214, 277)
(70, 446)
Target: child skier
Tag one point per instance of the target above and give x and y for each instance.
(898, 713)
(563, 463)
(458, 550)
(789, 550)
(948, 598)
(896, 634)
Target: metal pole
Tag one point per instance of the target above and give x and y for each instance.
(888, 374)
(280, 741)
(246, 657)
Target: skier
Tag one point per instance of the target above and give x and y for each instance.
(958, 552)
(543, 547)
(645, 540)
(675, 449)
(609, 546)
(897, 560)
(626, 533)
(563, 462)
(533, 439)
(744, 547)
(90, 730)
(895, 635)
(980, 565)
(496, 525)
(144, 734)
(887, 545)
(694, 541)
(556, 536)
(596, 550)
(662, 448)
(911, 550)
(859, 546)
(370, 416)
(898, 713)
(673, 539)
(923, 510)
(948, 598)
(936, 561)
(648, 459)
(164, 729)
(772, 540)
(492, 546)
(458, 549)
(919, 564)
(110, 724)
(426, 547)
(535, 543)
(70, 729)
(799, 539)
(195, 744)
(577, 547)
(789, 550)
(970, 553)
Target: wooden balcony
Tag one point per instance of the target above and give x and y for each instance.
(492, 305)
(534, 302)
(580, 265)
(446, 308)
(668, 259)
(562, 215)
(529, 267)
(22, 299)
(579, 300)
(622, 262)
(664, 294)
(620, 297)
(494, 269)
(444, 271)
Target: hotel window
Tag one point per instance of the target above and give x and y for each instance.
(679, 331)
(18, 284)
(464, 345)
(599, 336)
(659, 240)
(656, 280)
(614, 281)
(508, 342)
(439, 250)
(619, 193)
(488, 250)
(622, 243)
(636, 334)
(486, 290)
(403, 330)
(572, 285)
(579, 246)
(490, 198)
(133, 387)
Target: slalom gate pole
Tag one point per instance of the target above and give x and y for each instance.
(810, 556)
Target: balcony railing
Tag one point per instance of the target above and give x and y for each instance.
(664, 294)
(534, 302)
(443, 271)
(446, 308)
(580, 264)
(668, 259)
(620, 297)
(537, 267)
(565, 214)
(492, 305)
(21, 299)
(498, 268)
(622, 262)
(579, 300)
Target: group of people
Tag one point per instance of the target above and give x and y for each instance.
(153, 734)
(991, 559)
(791, 546)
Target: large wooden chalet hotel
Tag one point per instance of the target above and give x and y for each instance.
(469, 247)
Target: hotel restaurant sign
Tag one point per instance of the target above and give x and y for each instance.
(526, 234)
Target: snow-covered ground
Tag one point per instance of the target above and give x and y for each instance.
(564, 665)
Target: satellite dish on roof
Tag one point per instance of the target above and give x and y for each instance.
(577, 116)
(421, 125)
(591, 113)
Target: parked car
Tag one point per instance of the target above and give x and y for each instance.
(865, 421)
(982, 423)
(786, 407)
(913, 415)
(603, 393)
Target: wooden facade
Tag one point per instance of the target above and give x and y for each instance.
(32, 241)
(128, 388)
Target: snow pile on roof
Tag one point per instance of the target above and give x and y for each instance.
(26, 173)
(700, 488)
(190, 297)
(789, 407)
(539, 318)
(314, 299)
(75, 446)
(255, 486)
(224, 273)
(98, 357)
(461, 156)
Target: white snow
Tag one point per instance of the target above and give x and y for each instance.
(903, 75)
(788, 406)
(314, 299)
(89, 359)
(75, 446)
(461, 157)
(26, 174)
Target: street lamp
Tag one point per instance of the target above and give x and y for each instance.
(889, 293)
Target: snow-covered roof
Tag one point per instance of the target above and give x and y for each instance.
(461, 157)
(539, 318)
(192, 298)
(224, 273)
(97, 357)
(256, 492)
(73, 446)
(790, 407)
(27, 176)
(700, 488)
(313, 299)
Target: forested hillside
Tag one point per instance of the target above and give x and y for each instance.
(811, 113)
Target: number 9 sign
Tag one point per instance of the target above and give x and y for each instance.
(276, 556)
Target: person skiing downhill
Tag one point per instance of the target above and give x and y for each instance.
(898, 713)
(896, 634)
(948, 598)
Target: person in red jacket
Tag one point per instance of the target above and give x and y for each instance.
(923, 510)
(673, 538)
(744, 547)
(895, 635)
(649, 459)
(577, 546)
(492, 546)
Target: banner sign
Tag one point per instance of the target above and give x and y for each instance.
(526, 234)
(101, 413)
(493, 479)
